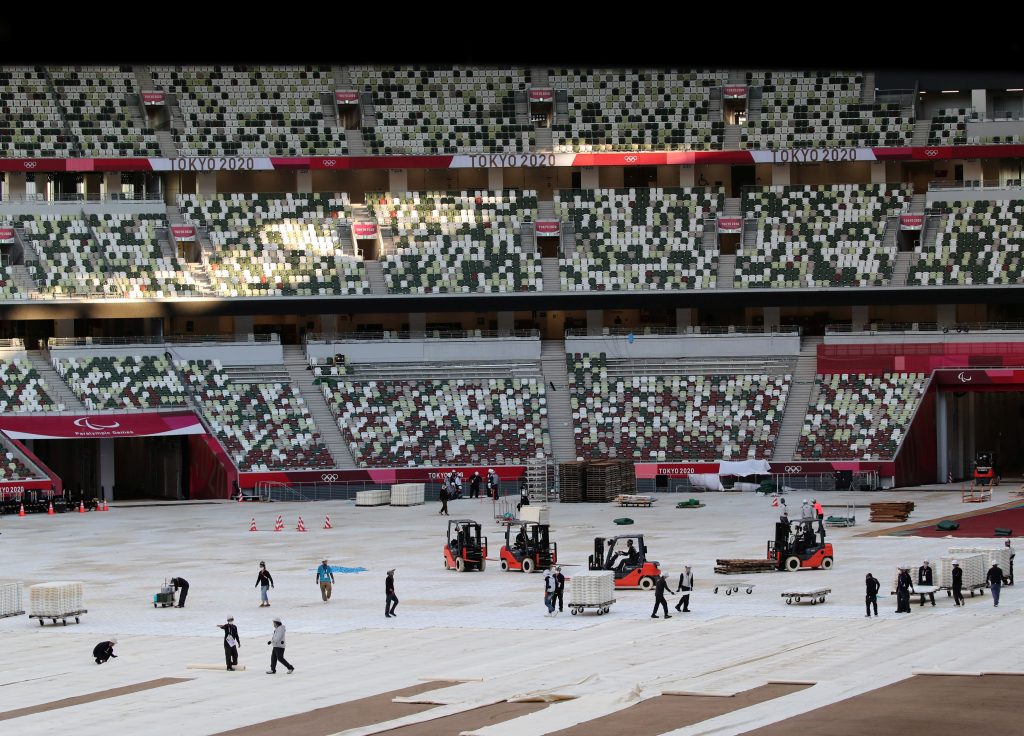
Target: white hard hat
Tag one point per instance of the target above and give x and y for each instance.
(805, 500)
(956, 562)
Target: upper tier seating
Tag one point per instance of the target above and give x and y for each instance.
(978, 242)
(673, 418)
(30, 119)
(22, 389)
(638, 238)
(252, 111)
(96, 107)
(812, 110)
(277, 244)
(452, 242)
(637, 110)
(443, 111)
(859, 417)
(122, 382)
(135, 263)
(263, 426)
(817, 236)
(949, 127)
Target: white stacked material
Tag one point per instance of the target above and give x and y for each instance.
(591, 588)
(973, 565)
(55, 599)
(12, 599)
(407, 494)
(540, 514)
(373, 498)
(1000, 555)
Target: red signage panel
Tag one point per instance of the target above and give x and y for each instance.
(90, 426)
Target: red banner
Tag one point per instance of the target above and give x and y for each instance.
(346, 97)
(380, 476)
(16, 486)
(183, 232)
(796, 467)
(540, 95)
(84, 426)
(364, 229)
(734, 91)
(911, 222)
(6, 234)
(548, 227)
(730, 224)
(153, 98)
(55, 483)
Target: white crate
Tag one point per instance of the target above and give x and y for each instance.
(373, 498)
(540, 514)
(55, 599)
(1000, 555)
(973, 566)
(407, 494)
(12, 599)
(591, 588)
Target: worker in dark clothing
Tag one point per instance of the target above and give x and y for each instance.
(264, 581)
(390, 599)
(904, 587)
(924, 577)
(104, 651)
(524, 498)
(871, 588)
(474, 485)
(231, 642)
(559, 587)
(958, 584)
(444, 499)
(659, 597)
(1013, 553)
(685, 586)
(995, 580)
(629, 557)
(182, 585)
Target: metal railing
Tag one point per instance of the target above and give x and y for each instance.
(960, 327)
(62, 342)
(12, 342)
(619, 331)
(939, 184)
(347, 490)
(76, 198)
(388, 335)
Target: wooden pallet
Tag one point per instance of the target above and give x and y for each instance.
(642, 501)
(733, 567)
(891, 511)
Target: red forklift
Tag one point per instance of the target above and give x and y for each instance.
(464, 548)
(796, 546)
(626, 556)
(531, 550)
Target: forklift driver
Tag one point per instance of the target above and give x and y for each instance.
(630, 556)
(521, 540)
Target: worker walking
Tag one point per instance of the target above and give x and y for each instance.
(182, 585)
(995, 581)
(493, 483)
(325, 576)
(783, 511)
(904, 586)
(277, 653)
(806, 512)
(104, 651)
(659, 597)
(1013, 553)
(390, 599)
(871, 588)
(559, 587)
(264, 581)
(549, 592)
(443, 496)
(924, 577)
(958, 584)
(685, 586)
(231, 642)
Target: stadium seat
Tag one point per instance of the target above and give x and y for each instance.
(22, 390)
(129, 382)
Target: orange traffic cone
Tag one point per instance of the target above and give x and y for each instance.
(252, 524)
(81, 507)
(301, 527)
(21, 511)
(279, 524)
(50, 511)
(775, 503)
(327, 522)
(105, 507)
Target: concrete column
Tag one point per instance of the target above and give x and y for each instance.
(329, 324)
(684, 319)
(945, 315)
(506, 321)
(106, 463)
(496, 178)
(153, 327)
(111, 183)
(878, 175)
(206, 182)
(398, 180)
(972, 170)
(979, 101)
(590, 178)
(686, 177)
(93, 185)
(15, 185)
(942, 465)
(304, 181)
(243, 326)
(595, 321)
(417, 323)
(772, 318)
(859, 318)
(63, 328)
(781, 174)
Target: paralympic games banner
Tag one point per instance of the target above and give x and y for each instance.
(100, 426)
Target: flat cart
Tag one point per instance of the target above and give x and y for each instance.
(165, 598)
(638, 501)
(814, 596)
(923, 590)
(979, 587)
(63, 617)
(849, 518)
(600, 608)
(730, 588)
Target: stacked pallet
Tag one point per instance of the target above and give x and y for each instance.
(407, 494)
(12, 599)
(55, 599)
(592, 588)
(572, 479)
(373, 498)
(604, 481)
(889, 511)
(732, 567)
(973, 565)
(997, 555)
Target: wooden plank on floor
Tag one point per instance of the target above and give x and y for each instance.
(91, 697)
(469, 720)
